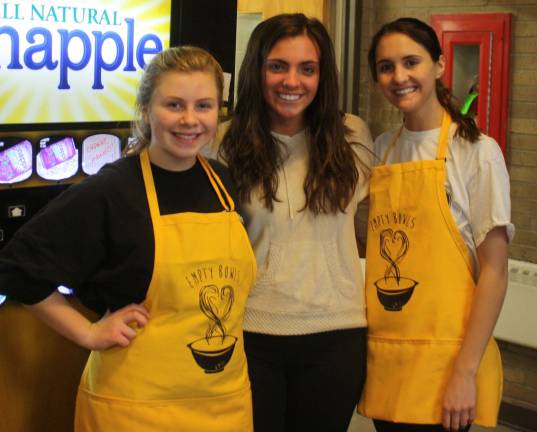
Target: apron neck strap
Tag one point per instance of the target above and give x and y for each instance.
(149, 183)
(215, 181)
(218, 187)
(392, 145)
(442, 139)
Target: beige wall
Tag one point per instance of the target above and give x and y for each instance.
(313, 8)
(522, 127)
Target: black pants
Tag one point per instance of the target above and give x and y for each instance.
(306, 383)
(383, 426)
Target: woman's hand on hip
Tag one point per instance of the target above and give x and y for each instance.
(117, 328)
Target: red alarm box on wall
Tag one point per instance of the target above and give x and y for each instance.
(476, 48)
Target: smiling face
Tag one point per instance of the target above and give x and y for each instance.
(406, 75)
(183, 116)
(290, 81)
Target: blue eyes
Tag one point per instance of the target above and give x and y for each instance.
(205, 106)
(202, 106)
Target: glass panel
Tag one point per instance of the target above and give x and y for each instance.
(466, 77)
(16, 161)
(57, 159)
(246, 23)
(98, 150)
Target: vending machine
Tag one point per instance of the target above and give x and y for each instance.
(68, 81)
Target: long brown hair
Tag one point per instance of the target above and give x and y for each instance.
(424, 35)
(250, 150)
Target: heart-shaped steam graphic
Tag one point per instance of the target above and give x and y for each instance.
(393, 247)
(216, 303)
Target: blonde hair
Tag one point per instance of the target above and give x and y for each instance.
(184, 59)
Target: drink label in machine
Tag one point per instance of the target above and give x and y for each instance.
(16, 157)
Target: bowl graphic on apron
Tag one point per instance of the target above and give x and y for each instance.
(394, 290)
(213, 353)
(393, 293)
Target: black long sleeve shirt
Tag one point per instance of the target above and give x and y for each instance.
(97, 238)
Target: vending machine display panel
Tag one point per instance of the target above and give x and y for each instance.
(57, 158)
(98, 150)
(16, 160)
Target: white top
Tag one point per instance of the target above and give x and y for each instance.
(309, 277)
(477, 182)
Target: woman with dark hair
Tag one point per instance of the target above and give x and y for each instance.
(301, 169)
(439, 227)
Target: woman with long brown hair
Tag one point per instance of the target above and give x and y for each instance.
(301, 169)
(439, 227)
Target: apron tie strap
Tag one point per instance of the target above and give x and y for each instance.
(443, 139)
(228, 203)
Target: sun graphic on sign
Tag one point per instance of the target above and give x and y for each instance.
(76, 61)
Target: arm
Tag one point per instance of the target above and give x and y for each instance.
(359, 136)
(460, 396)
(111, 330)
(360, 227)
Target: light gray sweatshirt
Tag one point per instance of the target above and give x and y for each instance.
(309, 277)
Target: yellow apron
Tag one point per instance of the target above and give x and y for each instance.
(419, 291)
(186, 369)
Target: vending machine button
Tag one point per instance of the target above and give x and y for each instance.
(16, 211)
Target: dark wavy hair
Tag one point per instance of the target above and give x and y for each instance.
(424, 35)
(252, 153)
